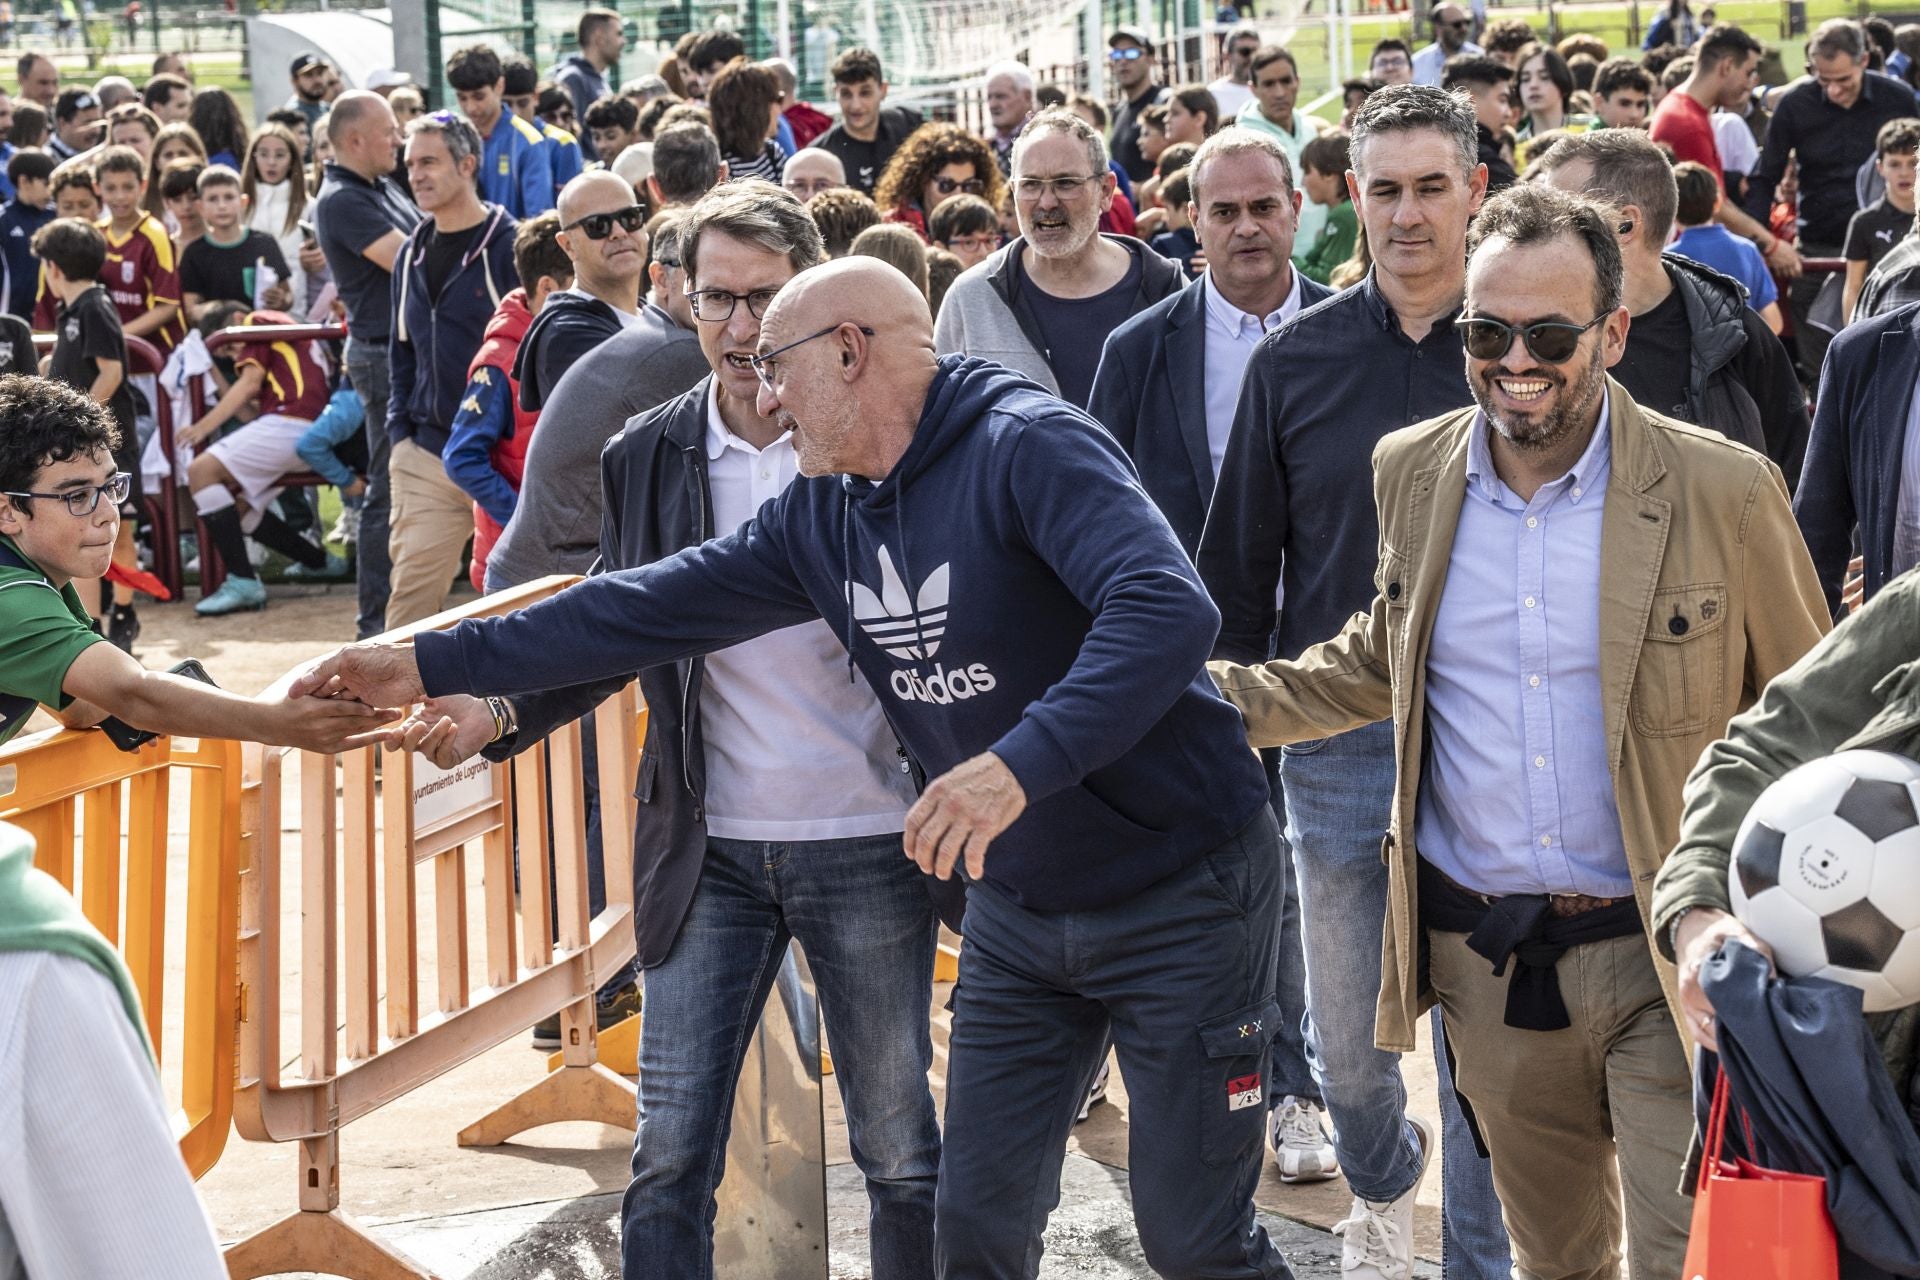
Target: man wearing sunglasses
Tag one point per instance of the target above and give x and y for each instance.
(1451, 26)
(60, 497)
(1130, 63)
(1234, 90)
(604, 233)
(1566, 616)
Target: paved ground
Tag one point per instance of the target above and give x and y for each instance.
(544, 1207)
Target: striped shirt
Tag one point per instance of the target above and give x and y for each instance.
(769, 164)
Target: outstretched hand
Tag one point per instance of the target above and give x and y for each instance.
(380, 673)
(960, 813)
(447, 731)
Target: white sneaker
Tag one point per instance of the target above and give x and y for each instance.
(1299, 1142)
(1098, 1093)
(1378, 1236)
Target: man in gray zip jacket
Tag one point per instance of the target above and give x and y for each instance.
(1044, 305)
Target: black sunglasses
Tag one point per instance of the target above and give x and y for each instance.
(947, 186)
(599, 226)
(1553, 341)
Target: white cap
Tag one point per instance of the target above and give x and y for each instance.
(634, 165)
(386, 78)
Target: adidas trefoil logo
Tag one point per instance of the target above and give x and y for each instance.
(905, 626)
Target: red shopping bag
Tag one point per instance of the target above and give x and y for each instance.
(1751, 1223)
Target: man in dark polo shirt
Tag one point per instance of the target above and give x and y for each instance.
(361, 218)
(1829, 121)
(1294, 494)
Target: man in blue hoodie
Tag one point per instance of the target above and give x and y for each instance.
(448, 278)
(1035, 635)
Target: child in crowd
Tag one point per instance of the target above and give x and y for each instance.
(965, 226)
(335, 446)
(90, 355)
(74, 195)
(180, 197)
(289, 383)
(175, 143)
(231, 262)
(486, 451)
(31, 208)
(141, 273)
(1622, 94)
(1885, 222)
(275, 188)
(1178, 241)
(1707, 242)
(1323, 176)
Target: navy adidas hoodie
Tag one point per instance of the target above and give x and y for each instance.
(1008, 587)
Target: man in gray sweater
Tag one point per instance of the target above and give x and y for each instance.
(556, 523)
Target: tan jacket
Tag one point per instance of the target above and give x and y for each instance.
(1706, 593)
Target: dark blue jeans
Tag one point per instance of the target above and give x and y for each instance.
(1181, 975)
(862, 914)
(367, 371)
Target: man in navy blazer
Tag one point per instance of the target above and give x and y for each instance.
(1169, 378)
(1863, 454)
(1167, 386)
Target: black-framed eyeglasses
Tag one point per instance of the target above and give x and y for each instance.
(716, 305)
(947, 186)
(763, 365)
(82, 501)
(598, 226)
(1553, 341)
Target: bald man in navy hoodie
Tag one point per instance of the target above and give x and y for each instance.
(1037, 637)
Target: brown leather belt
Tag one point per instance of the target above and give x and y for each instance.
(1561, 905)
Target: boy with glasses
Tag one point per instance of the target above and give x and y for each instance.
(60, 498)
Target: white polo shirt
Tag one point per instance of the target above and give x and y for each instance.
(795, 749)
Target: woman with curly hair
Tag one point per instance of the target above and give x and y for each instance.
(744, 101)
(936, 161)
(216, 117)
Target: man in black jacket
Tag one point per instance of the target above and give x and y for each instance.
(772, 797)
(603, 231)
(1696, 350)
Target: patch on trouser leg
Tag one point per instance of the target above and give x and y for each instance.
(1243, 1092)
(1234, 1053)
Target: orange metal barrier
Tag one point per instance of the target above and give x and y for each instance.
(77, 794)
(396, 1039)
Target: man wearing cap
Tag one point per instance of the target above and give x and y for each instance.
(309, 76)
(75, 114)
(384, 80)
(1130, 59)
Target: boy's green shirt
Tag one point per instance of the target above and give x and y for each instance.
(42, 630)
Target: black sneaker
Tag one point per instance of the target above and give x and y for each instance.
(615, 1009)
(123, 627)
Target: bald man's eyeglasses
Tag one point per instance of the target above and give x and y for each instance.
(598, 226)
(763, 366)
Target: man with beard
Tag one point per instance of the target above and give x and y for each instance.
(1562, 626)
(1318, 393)
(1044, 304)
(309, 75)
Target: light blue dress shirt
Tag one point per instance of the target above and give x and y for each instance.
(1516, 795)
(1232, 334)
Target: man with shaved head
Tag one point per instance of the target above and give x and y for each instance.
(603, 230)
(361, 219)
(1036, 637)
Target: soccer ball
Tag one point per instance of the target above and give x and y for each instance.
(1826, 871)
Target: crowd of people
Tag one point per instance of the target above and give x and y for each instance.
(1467, 433)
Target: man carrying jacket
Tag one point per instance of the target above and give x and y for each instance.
(1696, 351)
(604, 233)
(1044, 304)
(996, 575)
(1563, 622)
(449, 277)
